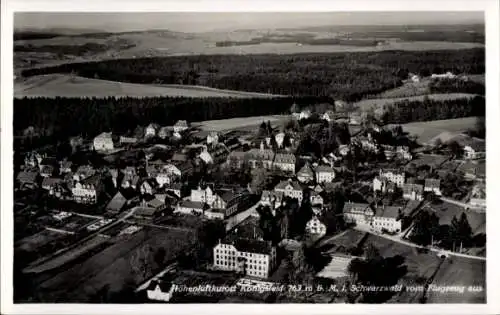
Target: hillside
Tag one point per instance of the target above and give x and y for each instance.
(60, 85)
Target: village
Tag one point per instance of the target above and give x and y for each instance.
(258, 196)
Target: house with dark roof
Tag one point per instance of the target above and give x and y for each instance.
(433, 185)
(305, 174)
(117, 204)
(387, 218)
(181, 126)
(285, 162)
(191, 207)
(359, 213)
(273, 199)
(151, 130)
(413, 192)
(324, 174)
(290, 188)
(260, 157)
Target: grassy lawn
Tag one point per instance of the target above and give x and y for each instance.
(239, 123)
(445, 211)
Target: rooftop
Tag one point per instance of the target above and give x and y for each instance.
(285, 183)
(388, 211)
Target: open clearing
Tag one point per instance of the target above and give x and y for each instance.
(427, 131)
(61, 85)
(237, 123)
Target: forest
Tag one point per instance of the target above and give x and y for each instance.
(428, 109)
(456, 86)
(347, 76)
(75, 116)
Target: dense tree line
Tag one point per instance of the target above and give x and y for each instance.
(348, 76)
(456, 86)
(428, 109)
(75, 116)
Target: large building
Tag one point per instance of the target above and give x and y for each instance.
(433, 185)
(290, 188)
(395, 176)
(359, 213)
(315, 227)
(413, 192)
(104, 142)
(88, 190)
(387, 218)
(285, 162)
(260, 157)
(324, 174)
(245, 251)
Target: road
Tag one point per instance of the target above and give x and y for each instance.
(143, 286)
(407, 243)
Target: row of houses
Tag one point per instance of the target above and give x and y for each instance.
(390, 179)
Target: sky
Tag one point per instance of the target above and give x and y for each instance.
(203, 22)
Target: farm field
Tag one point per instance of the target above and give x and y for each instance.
(61, 85)
(238, 123)
(115, 266)
(38, 240)
(459, 271)
(427, 131)
(407, 89)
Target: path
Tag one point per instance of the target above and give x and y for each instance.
(407, 243)
(143, 286)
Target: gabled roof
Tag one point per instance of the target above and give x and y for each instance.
(192, 204)
(284, 158)
(356, 207)
(432, 182)
(305, 170)
(104, 135)
(181, 123)
(324, 169)
(388, 212)
(283, 184)
(409, 188)
(117, 203)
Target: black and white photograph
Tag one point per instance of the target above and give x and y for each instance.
(249, 157)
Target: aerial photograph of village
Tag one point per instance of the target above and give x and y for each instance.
(249, 157)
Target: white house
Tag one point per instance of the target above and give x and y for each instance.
(88, 190)
(478, 197)
(395, 176)
(383, 185)
(160, 291)
(387, 218)
(324, 174)
(413, 192)
(475, 150)
(305, 114)
(151, 130)
(180, 126)
(433, 185)
(205, 195)
(344, 149)
(359, 213)
(104, 142)
(285, 162)
(273, 199)
(290, 188)
(164, 132)
(316, 199)
(280, 138)
(305, 174)
(315, 227)
(329, 116)
(212, 138)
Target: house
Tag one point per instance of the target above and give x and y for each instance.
(160, 291)
(149, 210)
(65, 167)
(285, 162)
(433, 185)
(130, 181)
(163, 178)
(413, 192)
(178, 169)
(212, 138)
(478, 196)
(47, 170)
(387, 218)
(148, 187)
(355, 119)
(305, 174)
(31, 159)
(404, 152)
(316, 199)
(395, 176)
(344, 149)
(174, 189)
(27, 179)
(245, 251)
(228, 201)
(383, 185)
(315, 227)
(216, 154)
(164, 132)
(84, 171)
(127, 140)
(358, 213)
(117, 204)
(204, 194)
(60, 190)
(389, 151)
(260, 157)
(290, 188)
(181, 126)
(367, 143)
(49, 183)
(476, 149)
(88, 190)
(305, 114)
(104, 142)
(151, 130)
(236, 159)
(76, 143)
(414, 78)
(191, 207)
(273, 199)
(324, 174)
(280, 139)
(329, 116)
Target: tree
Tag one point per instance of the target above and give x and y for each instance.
(294, 108)
(455, 148)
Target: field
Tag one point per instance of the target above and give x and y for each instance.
(238, 123)
(38, 240)
(116, 267)
(459, 271)
(60, 85)
(428, 131)
(407, 89)
(165, 43)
